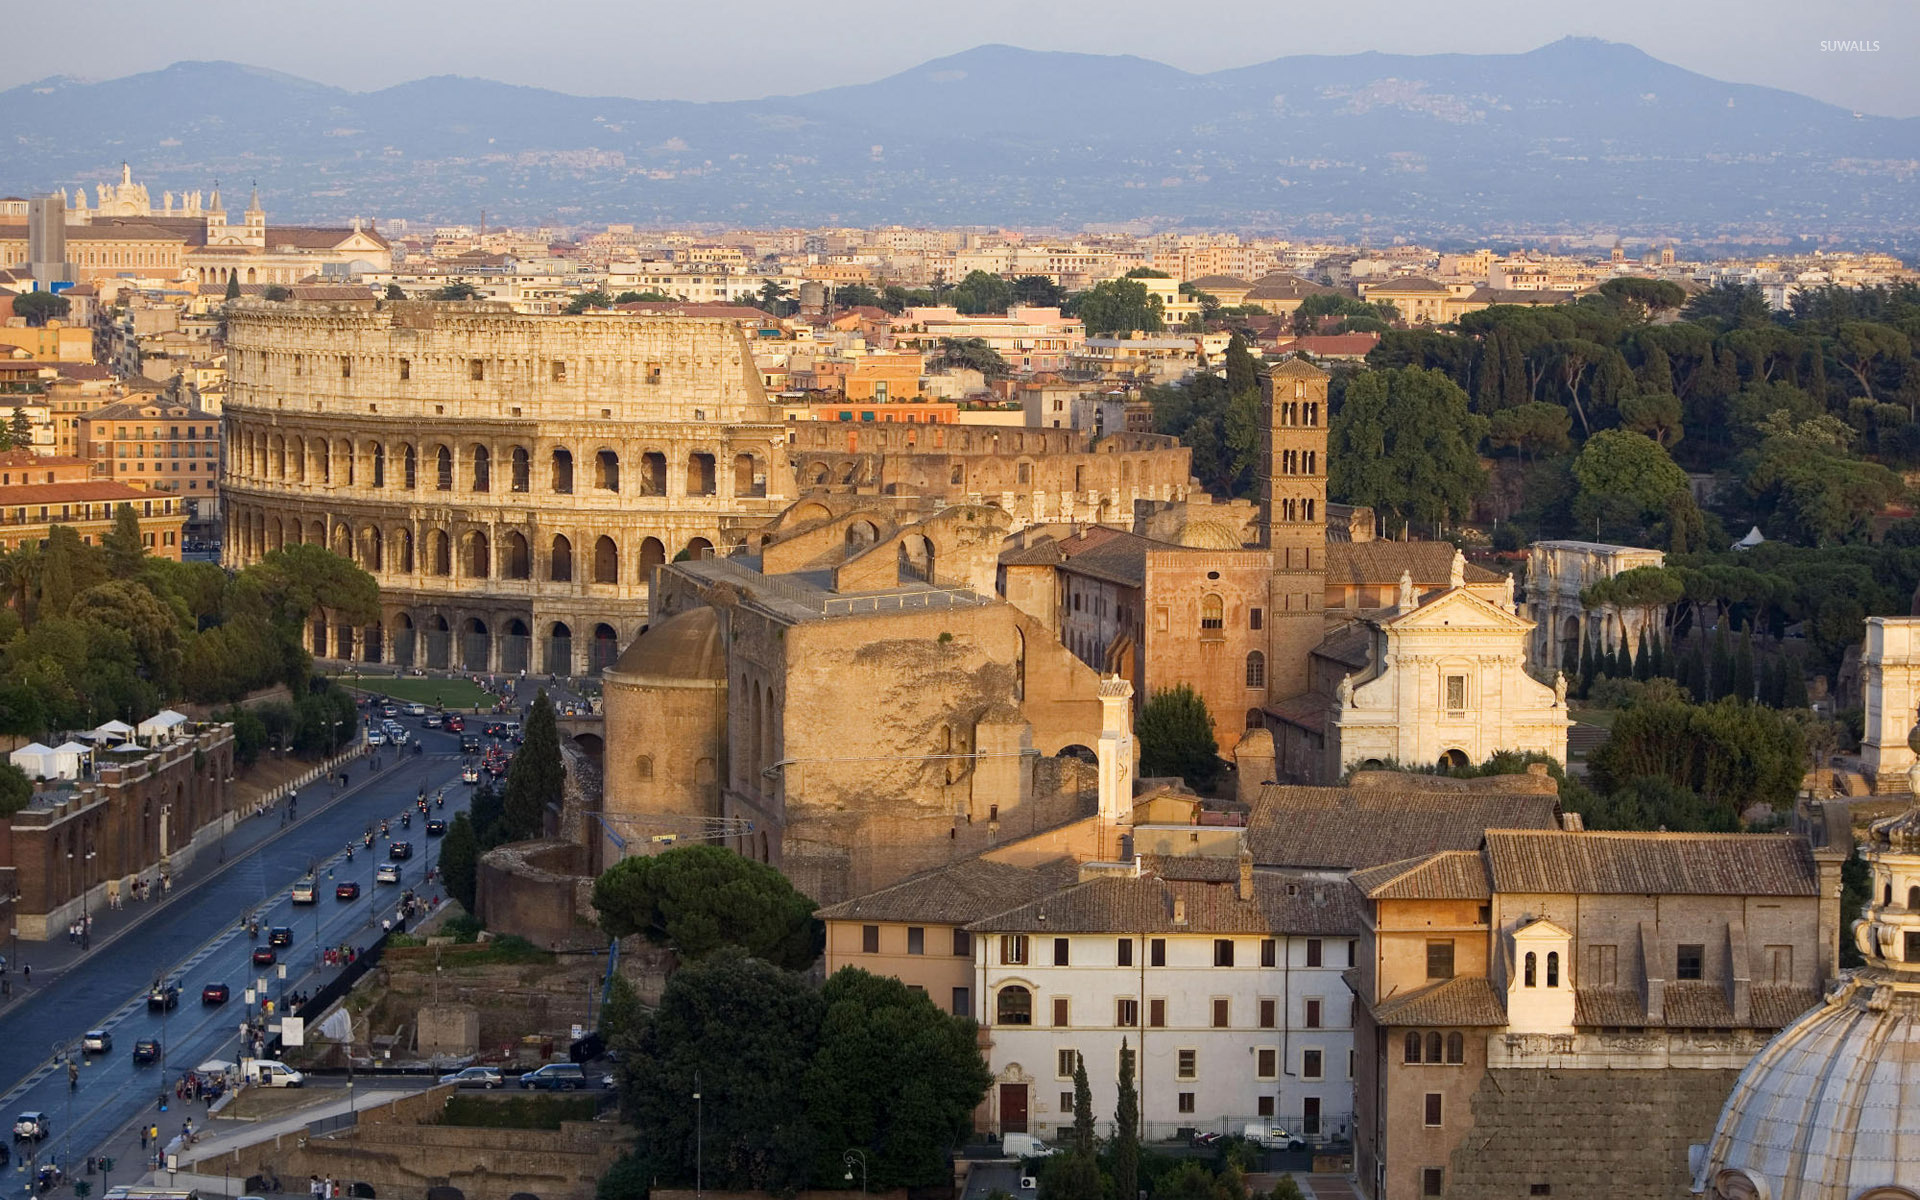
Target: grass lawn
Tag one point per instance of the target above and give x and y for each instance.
(413, 689)
(1603, 717)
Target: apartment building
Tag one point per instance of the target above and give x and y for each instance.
(157, 443)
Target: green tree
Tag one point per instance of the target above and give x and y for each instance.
(1625, 480)
(1644, 297)
(701, 899)
(16, 790)
(20, 428)
(1730, 754)
(972, 354)
(580, 302)
(1532, 429)
(623, 1015)
(1119, 306)
(1082, 1108)
(1404, 443)
(489, 816)
(773, 297)
(396, 292)
(648, 296)
(857, 295)
(1176, 738)
(459, 289)
(739, 1032)
(37, 308)
(893, 1076)
(1126, 1130)
(1072, 1176)
(1038, 291)
(233, 287)
(460, 860)
(1286, 1188)
(278, 293)
(1655, 415)
(1856, 890)
(537, 780)
(123, 543)
(982, 292)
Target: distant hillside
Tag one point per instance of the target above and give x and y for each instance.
(1580, 134)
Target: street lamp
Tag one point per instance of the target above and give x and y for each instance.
(86, 934)
(850, 1158)
(699, 1137)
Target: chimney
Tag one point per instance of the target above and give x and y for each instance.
(1246, 874)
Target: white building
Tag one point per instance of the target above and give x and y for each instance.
(1225, 983)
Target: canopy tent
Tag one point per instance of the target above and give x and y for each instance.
(70, 758)
(162, 725)
(112, 731)
(37, 759)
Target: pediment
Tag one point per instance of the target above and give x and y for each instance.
(1541, 931)
(1458, 610)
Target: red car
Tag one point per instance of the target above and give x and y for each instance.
(214, 993)
(263, 956)
(347, 891)
(455, 722)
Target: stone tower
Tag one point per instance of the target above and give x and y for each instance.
(256, 220)
(1293, 520)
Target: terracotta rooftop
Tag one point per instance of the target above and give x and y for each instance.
(72, 493)
(1349, 828)
(1381, 563)
(1449, 875)
(1468, 1001)
(966, 891)
(1531, 861)
(1691, 1006)
(1146, 904)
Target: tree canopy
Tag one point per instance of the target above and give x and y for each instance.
(701, 899)
(1403, 442)
(1119, 306)
(1175, 733)
(37, 308)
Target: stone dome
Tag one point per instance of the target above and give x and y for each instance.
(1830, 1108)
(686, 647)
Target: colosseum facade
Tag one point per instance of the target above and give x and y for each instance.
(511, 480)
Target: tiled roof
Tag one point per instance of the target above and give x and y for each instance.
(1145, 904)
(1307, 711)
(1381, 563)
(1347, 645)
(1350, 828)
(312, 237)
(1776, 1007)
(1651, 864)
(1282, 286)
(1691, 1005)
(1448, 875)
(1332, 345)
(1465, 1000)
(1409, 283)
(72, 493)
(26, 458)
(83, 371)
(955, 895)
(1208, 282)
(1615, 1006)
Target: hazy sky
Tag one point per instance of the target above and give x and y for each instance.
(733, 49)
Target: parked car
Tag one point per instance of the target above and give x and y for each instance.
(455, 722)
(350, 890)
(96, 1041)
(164, 996)
(31, 1126)
(280, 935)
(215, 993)
(555, 1077)
(476, 1077)
(400, 850)
(1025, 1145)
(388, 873)
(435, 720)
(146, 1051)
(416, 710)
(263, 956)
(436, 827)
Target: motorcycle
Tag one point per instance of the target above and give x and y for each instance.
(349, 851)
(406, 820)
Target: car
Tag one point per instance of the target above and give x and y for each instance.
(435, 720)
(388, 873)
(215, 993)
(146, 1051)
(416, 710)
(555, 1077)
(495, 729)
(96, 1041)
(469, 774)
(303, 890)
(389, 711)
(399, 737)
(455, 722)
(469, 743)
(349, 890)
(376, 738)
(436, 827)
(31, 1126)
(280, 935)
(476, 1077)
(400, 851)
(263, 956)
(164, 996)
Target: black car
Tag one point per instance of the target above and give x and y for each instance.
(469, 743)
(164, 996)
(280, 935)
(145, 1051)
(400, 850)
(436, 827)
(495, 729)
(263, 956)
(215, 993)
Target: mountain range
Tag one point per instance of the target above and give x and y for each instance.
(1577, 136)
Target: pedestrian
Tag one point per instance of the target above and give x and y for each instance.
(26, 973)
(143, 1136)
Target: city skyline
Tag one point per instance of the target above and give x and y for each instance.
(1854, 57)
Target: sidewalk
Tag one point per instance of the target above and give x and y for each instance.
(52, 958)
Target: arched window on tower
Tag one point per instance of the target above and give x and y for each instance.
(1212, 613)
(1527, 973)
(1553, 968)
(1256, 669)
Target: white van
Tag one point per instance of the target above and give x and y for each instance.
(1025, 1145)
(268, 1072)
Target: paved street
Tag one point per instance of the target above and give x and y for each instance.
(196, 936)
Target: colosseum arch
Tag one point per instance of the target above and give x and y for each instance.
(403, 551)
(847, 470)
(562, 471)
(409, 466)
(698, 548)
(862, 533)
(276, 536)
(323, 450)
(559, 656)
(818, 474)
(372, 645)
(442, 468)
(277, 456)
(377, 464)
(606, 648)
(404, 639)
(343, 450)
(748, 477)
(480, 463)
(439, 553)
(700, 474)
(606, 560)
(606, 470)
(521, 469)
(516, 562)
(342, 542)
(560, 560)
(653, 473)
(476, 555)
(476, 645)
(916, 557)
(297, 454)
(371, 556)
(652, 554)
(317, 533)
(516, 645)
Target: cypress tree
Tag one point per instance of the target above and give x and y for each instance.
(1082, 1108)
(1657, 665)
(1622, 661)
(233, 287)
(1700, 673)
(1643, 658)
(1793, 688)
(1743, 677)
(537, 777)
(1126, 1132)
(1775, 687)
(1586, 667)
(1570, 661)
(1721, 683)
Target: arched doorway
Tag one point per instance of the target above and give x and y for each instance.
(439, 642)
(371, 647)
(403, 640)
(559, 659)
(476, 645)
(916, 558)
(1453, 760)
(516, 647)
(606, 648)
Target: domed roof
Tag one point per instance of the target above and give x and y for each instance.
(686, 646)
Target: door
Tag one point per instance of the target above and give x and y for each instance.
(1013, 1108)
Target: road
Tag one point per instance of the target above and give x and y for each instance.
(197, 936)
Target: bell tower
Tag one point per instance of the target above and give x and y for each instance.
(1293, 520)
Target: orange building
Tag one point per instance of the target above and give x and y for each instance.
(919, 412)
(39, 491)
(154, 442)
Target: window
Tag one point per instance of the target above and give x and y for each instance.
(1062, 1012)
(1911, 947)
(1066, 1102)
(1539, 1189)
(1256, 669)
(1456, 693)
(559, 370)
(1456, 1049)
(1223, 952)
(1186, 1102)
(1157, 1013)
(1264, 1105)
(1061, 957)
(1553, 968)
(1310, 1116)
(1411, 1054)
(1013, 949)
(476, 369)
(1157, 952)
(1253, 618)
(1126, 952)
(1433, 1047)
(1430, 1180)
(962, 944)
(1315, 952)
(1313, 1009)
(1266, 1062)
(1014, 1006)
(1690, 963)
(653, 372)
(962, 1002)
(1440, 959)
(1269, 952)
(1269, 1013)
(1434, 1109)
(1063, 1064)
(869, 939)
(1212, 613)
(1353, 952)
(916, 940)
(406, 368)
(1186, 1064)
(1312, 1064)
(1527, 971)
(1602, 965)
(346, 371)
(1222, 1009)
(1126, 1012)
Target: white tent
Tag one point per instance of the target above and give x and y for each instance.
(112, 731)
(36, 759)
(162, 725)
(71, 758)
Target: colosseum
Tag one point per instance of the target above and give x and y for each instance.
(511, 480)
